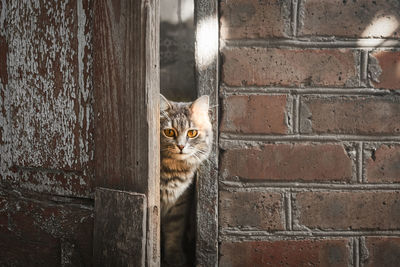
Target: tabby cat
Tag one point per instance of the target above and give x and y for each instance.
(185, 139)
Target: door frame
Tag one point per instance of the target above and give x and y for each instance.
(207, 82)
(126, 110)
(126, 122)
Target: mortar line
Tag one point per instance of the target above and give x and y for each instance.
(226, 138)
(296, 114)
(226, 232)
(361, 244)
(290, 114)
(289, 222)
(360, 164)
(298, 12)
(291, 210)
(229, 90)
(356, 252)
(364, 68)
(296, 186)
(294, 22)
(307, 42)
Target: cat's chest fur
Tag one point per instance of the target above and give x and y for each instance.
(175, 178)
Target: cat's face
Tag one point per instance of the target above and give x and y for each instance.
(185, 130)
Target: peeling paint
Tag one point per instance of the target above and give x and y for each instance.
(5, 157)
(84, 41)
(46, 147)
(45, 119)
(3, 14)
(46, 133)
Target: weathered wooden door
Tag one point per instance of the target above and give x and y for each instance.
(126, 87)
(46, 147)
(78, 111)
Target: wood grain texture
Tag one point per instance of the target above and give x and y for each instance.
(125, 82)
(46, 144)
(120, 228)
(49, 83)
(206, 15)
(45, 96)
(126, 93)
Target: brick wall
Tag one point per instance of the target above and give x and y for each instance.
(309, 133)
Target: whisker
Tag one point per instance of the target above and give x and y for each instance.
(201, 152)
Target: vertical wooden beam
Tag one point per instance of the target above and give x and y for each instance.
(119, 229)
(126, 108)
(206, 56)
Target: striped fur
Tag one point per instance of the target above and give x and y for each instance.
(177, 173)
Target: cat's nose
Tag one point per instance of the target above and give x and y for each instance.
(181, 147)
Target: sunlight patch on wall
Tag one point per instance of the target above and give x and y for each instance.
(381, 27)
(206, 42)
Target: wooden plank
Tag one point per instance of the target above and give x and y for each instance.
(46, 147)
(49, 83)
(125, 82)
(206, 55)
(119, 228)
(126, 107)
(45, 96)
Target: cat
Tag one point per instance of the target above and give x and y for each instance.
(185, 142)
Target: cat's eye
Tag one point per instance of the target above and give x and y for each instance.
(169, 132)
(192, 133)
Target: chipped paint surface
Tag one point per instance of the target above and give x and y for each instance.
(46, 118)
(5, 157)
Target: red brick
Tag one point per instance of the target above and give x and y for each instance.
(263, 114)
(346, 18)
(348, 210)
(44, 231)
(327, 252)
(381, 251)
(251, 210)
(248, 19)
(350, 115)
(383, 164)
(384, 69)
(288, 162)
(290, 67)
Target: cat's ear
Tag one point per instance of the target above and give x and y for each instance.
(164, 103)
(200, 105)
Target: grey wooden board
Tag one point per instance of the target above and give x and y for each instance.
(46, 123)
(206, 15)
(126, 104)
(119, 228)
(126, 93)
